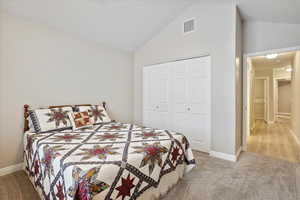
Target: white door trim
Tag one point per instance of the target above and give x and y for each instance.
(246, 127)
(275, 81)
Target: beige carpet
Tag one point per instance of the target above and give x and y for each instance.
(252, 177)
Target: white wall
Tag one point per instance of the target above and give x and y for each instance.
(250, 94)
(239, 80)
(215, 35)
(296, 95)
(259, 92)
(41, 66)
(284, 97)
(261, 36)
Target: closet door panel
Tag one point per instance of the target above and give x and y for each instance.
(146, 97)
(163, 88)
(198, 102)
(150, 96)
(157, 114)
(153, 87)
(180, 121)
(178, 97)
(198, 132)
(198, 95)
(163, 91)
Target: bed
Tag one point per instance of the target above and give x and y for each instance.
(109, 160)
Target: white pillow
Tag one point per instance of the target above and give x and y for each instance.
(97, 113)
(80, 120)
(51, 119)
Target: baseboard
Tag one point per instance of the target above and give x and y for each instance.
(11, 169)
(225, 156)
(282, 113)
(284, 116)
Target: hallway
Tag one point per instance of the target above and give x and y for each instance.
(274, 140)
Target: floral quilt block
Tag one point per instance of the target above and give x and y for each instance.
(99, 152)
(50, 119)
(105, 136)
(67, 137)
(115, 126)
(125, 186)
(96, 112)
(149, 134)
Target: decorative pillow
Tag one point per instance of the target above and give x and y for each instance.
(80, 120)
(96, 112)
(50, 119)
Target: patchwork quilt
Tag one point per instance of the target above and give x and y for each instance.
(112, 160)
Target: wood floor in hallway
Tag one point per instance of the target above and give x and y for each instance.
(274, 140)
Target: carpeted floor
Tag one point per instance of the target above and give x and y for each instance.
(253, 177)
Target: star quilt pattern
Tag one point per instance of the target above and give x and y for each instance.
(112, 160)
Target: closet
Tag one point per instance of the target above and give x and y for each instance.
(177, 97)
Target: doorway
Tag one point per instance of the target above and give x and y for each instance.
(261, 98)
(282, 97)
(269, 98)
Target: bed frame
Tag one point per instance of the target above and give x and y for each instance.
(26, 112)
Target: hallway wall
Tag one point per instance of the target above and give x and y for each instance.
(296, 95)
(238, 80)
(251, 103)
(284, 97)
(259, 109)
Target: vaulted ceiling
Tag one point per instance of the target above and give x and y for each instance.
(123, 24)
(128, 24)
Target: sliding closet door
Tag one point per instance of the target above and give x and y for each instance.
(147, 107)
(179, 102)
(156, 96)
(199, 102)
(177, 97)
(191, 86)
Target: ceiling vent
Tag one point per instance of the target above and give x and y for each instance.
(189, 26)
